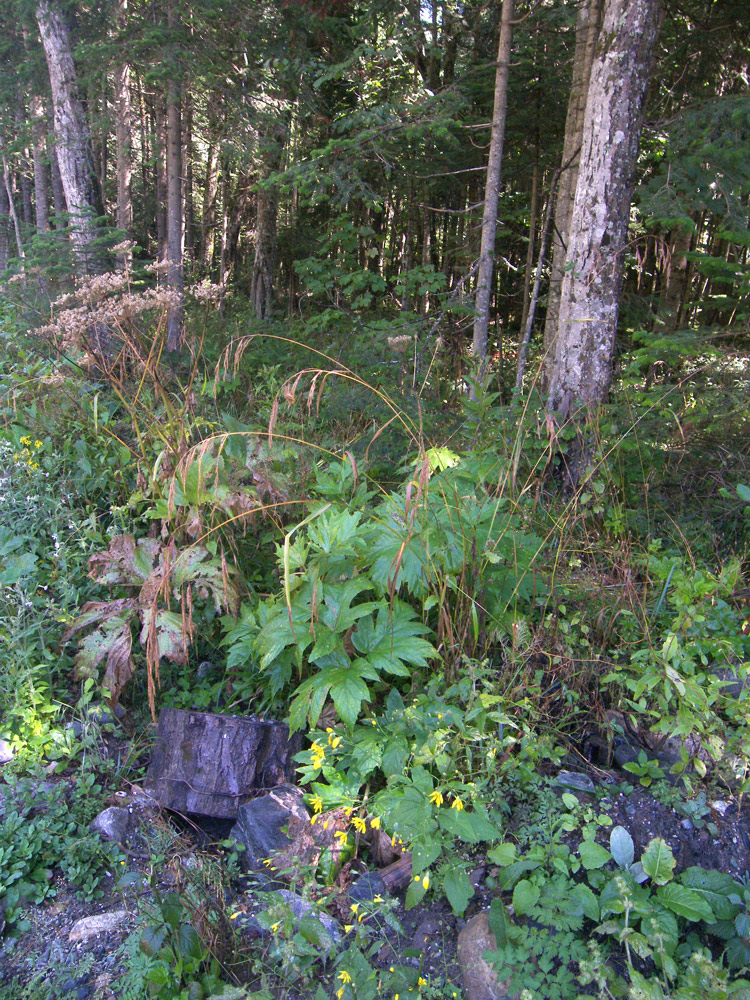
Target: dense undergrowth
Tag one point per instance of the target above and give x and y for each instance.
(285, 523)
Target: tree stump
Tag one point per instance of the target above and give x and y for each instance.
(212, 764)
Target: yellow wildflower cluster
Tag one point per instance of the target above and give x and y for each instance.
(437, 799)
(333, 740)
(318, 754)
(28, 453)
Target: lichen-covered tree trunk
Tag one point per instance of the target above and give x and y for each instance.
(590, 293)
(587, 32)
(74, 154)
(492, 187)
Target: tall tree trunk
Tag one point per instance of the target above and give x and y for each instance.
(266, 201)
(533, 211)
(174, 215)
(75, 158)
(7, 184)
(590, 294)
(4, 226)
(587, 32)
(124, 140)
(210, 194)
(41, 172)
(492, 188)
(160, 175)
(187, 159)
(58, 193)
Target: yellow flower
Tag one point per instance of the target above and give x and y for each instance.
(317, 803)
(275, 927)
(335, 741)
(348, 811)
(235, 915)
(38, 444)
(359, 824)
(426, 882)
(313, 819)
(354, 907)
(373, 722)
(421, 982)
(457, 804)
(375, 822)
(348, 927)
(436, 798)
(25, 440)
(342, 837)
(344, 976)
(340, 993)
(379, 899)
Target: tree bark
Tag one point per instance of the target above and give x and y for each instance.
(590, 294)
(174, 216)
(266, 200)
(41, 174)
(4, 227)
(58, 193)
(123, 140)
(492, 188)
(75, 157)
(587, 32)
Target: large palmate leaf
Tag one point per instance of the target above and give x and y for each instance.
(391, 642)
(126, 563)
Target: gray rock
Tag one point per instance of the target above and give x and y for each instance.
(259, 826)
(6, 752)
(479, 981)
(115, 824)
(575, 781)
(733, 685)
(99, 923)
(301, 908)
(367, 886)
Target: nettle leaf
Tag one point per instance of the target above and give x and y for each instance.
(685, 903)
(391, 642)
(458, 889)
(658, 861)
(196, 566)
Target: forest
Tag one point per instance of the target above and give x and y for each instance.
(374, 374)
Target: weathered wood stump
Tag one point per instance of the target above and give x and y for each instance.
(213, 764)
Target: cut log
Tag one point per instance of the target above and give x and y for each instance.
(398, 875)
(212, 764)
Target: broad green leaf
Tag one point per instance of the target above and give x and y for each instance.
(644, 989)
(685, 903)
(583, 897)
(593, 855)
(425, 852)
(525, 896)
(395, 755)
(391, 642)
(512, 873)
(622, 847)
(658, 861)
(415, 893)
(458, 888)
(715, 888)
(499, 922)
(502, 854)
(348, 693)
